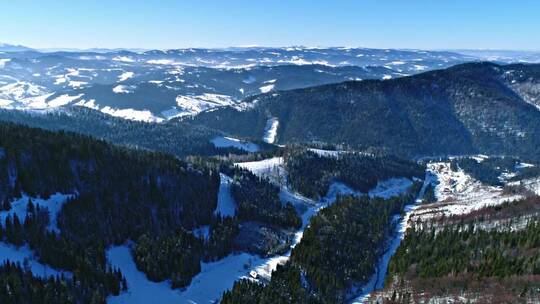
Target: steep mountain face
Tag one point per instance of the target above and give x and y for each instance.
(158, 85)
(469, 108)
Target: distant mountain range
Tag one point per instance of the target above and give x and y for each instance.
(158, 85)
(297, 94)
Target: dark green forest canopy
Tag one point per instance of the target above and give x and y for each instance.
(340, 247)
(312, 174)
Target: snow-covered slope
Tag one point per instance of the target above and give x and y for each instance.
(226, 204)
(459, 193)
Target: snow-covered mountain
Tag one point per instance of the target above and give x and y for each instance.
(4, 47)
(159, 85)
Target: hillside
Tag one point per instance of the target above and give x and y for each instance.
(470, 258)
(469, 108)
(108, 195)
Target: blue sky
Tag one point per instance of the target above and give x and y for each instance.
(426, 24)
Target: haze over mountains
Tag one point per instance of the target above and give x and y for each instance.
(159, 85)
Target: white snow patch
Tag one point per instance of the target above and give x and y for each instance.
(132, 114)
(479, 158)
(270, 131)
(386, 77)
(77, 84)
(21, 90)
(88, 104)
(123, 59)
(523, 165)
(194, 104)
(125, 76)
(3, 62)
(63, 100)
(226, 205)
(53, 205)
(60, 79)
(163, 62)
(226, 142)
(266, 88)
(263, 168)
(13, 254)
(206, 287)
(123, 89)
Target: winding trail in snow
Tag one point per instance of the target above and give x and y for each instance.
(217, 277)
(377, 279)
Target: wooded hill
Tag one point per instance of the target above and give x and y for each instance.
(465, 109)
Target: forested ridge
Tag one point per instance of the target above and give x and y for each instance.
(465, 109)
(311, 174)
(490, 170)
(338, 250)
(151, 199)
(463, 256)
(177, 138)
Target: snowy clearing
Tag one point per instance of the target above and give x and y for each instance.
(3, 62)
(53, 205)
(267, 88)
(230, 142)
(270, 131)
(271, 168)
(195, 104)
(63, 100)
(11, 253)
(123, 89)
(206, 287)
(132, 114)
(226, 205)
(125, 76)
